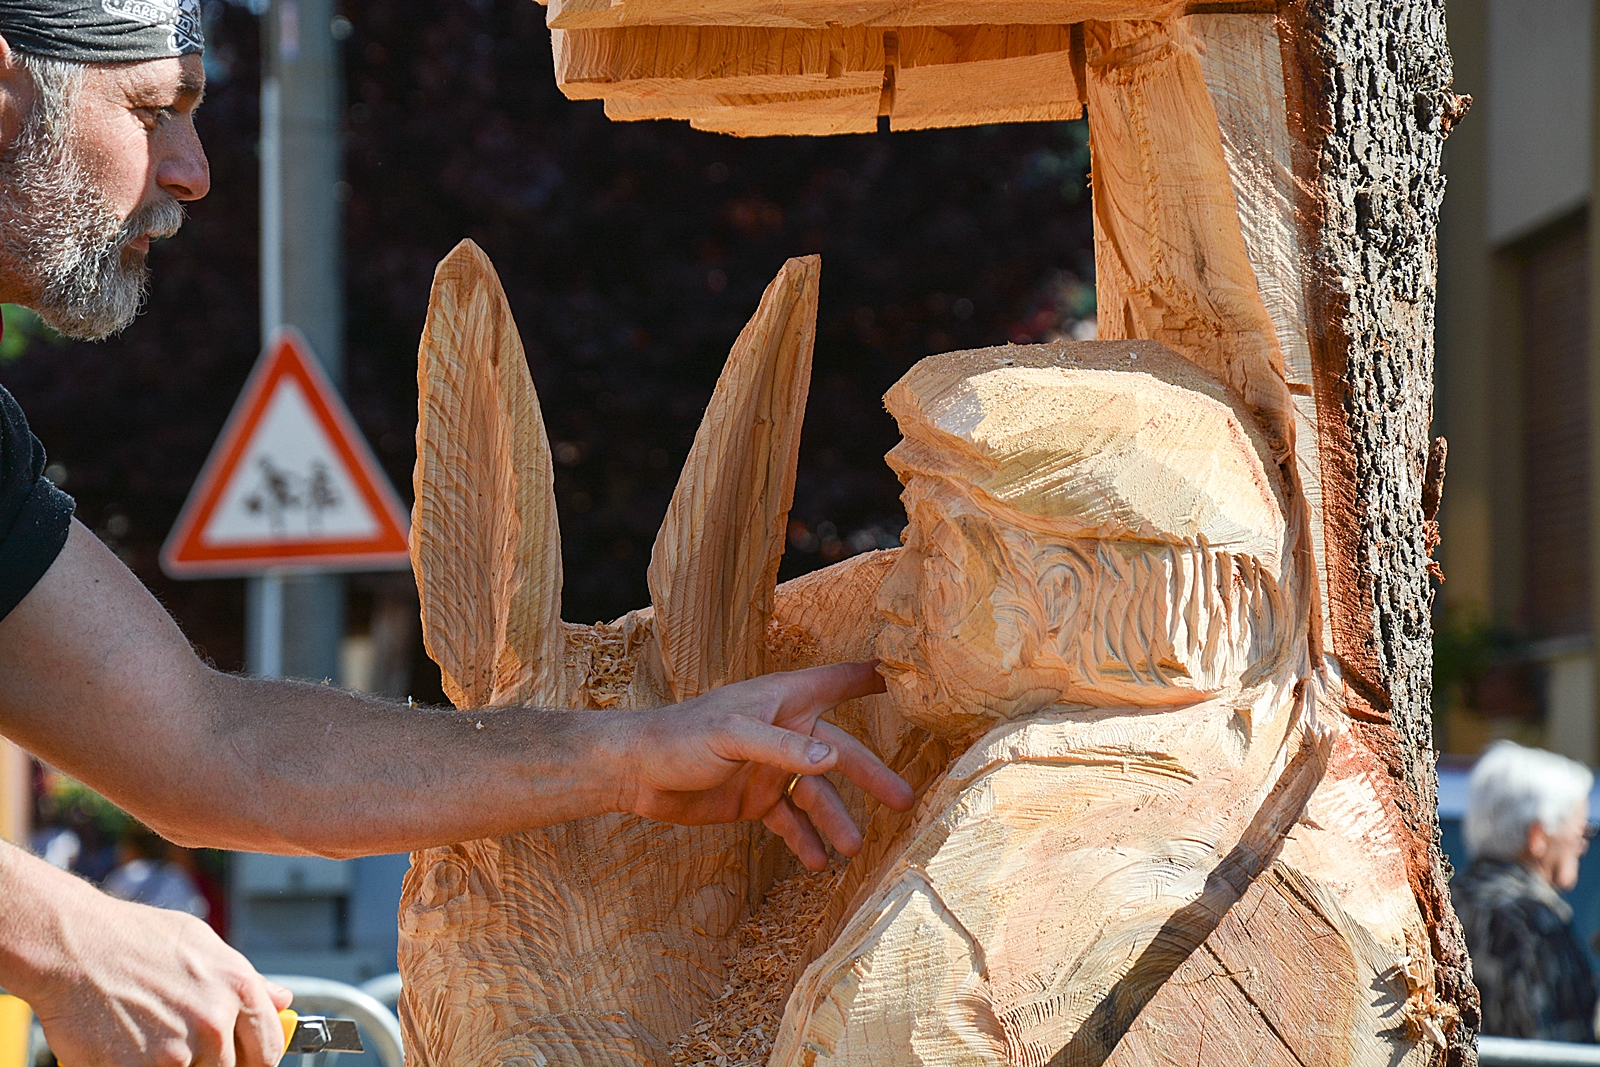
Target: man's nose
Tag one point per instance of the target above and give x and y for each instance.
(184, 173)
(898, 593)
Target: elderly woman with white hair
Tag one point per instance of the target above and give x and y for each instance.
(1526, 828)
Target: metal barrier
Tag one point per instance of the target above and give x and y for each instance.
(385, 989)
(1516, 1052)
(322, 996)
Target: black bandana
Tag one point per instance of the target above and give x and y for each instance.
(102, 31)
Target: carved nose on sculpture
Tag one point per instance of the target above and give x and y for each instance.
(896, 598)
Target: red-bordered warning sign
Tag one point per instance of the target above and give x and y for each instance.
(290, 485)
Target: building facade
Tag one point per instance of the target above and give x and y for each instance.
(1515, 393)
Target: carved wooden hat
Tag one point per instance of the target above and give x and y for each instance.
(1111, 439)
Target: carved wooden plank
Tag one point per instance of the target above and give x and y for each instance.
(661, 60)
(758, 82)
(715, 562)
(1026, 88)
(814, 114)
(599, 14)
(484, 529)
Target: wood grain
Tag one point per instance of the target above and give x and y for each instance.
(763, 82)
(715, 562)
(1241, 59)
(1287, 978)
(688, 60)
(485, 544)
(598, 14)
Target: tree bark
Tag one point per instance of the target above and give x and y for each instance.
(1370, 102)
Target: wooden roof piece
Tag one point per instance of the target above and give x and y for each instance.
(759, 81)
(757, 68)
(595, 14)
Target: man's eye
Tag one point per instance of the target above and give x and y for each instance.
(152, 117)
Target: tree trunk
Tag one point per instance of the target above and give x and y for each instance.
(1372, 106)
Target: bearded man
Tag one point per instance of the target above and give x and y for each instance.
(98, 154)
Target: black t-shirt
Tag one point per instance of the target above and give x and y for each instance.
(34, 514)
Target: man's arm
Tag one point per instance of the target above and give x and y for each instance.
(101, 683)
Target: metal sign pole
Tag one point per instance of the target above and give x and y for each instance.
(301, 284)
(264, 595)
(269, 605)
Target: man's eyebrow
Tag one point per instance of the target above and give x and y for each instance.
(191, 88)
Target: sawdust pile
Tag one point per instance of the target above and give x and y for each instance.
(740, 1026)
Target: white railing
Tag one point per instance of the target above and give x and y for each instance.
(379, 1027)
(1516, 1052)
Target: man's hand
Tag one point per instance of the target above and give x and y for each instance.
(730, 754)
(116, 983)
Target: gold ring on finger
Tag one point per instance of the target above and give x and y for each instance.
(788, 790)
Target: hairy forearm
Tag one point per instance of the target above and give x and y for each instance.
(295, 767)
(101, 683)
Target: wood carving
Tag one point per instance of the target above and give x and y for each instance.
(625, 923)
(1164, 815)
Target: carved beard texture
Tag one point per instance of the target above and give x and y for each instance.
(1122, 620)
(1079, 621)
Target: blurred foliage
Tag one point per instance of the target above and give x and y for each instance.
(23, 329)
(632, 254)
(1467, 645)
(67, 801)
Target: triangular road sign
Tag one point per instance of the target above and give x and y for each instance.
(290, 484)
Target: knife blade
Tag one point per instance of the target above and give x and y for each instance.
(304, 1034)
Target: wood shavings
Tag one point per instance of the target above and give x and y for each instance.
(739, 1027)
(607, 656)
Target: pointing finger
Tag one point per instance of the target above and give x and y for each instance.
(812, 691)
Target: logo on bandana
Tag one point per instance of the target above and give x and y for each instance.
(180, 18)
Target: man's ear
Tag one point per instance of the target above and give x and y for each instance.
(16, 94)
(1538, 840)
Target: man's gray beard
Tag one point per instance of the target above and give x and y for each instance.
(65, 245)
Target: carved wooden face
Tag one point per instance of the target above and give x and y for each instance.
(992, 615)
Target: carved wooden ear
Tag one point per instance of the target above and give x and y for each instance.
(715, 562)
(484, 540)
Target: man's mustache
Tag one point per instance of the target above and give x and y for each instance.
(161, 218)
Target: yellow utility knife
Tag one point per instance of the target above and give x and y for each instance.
(305, 1034)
